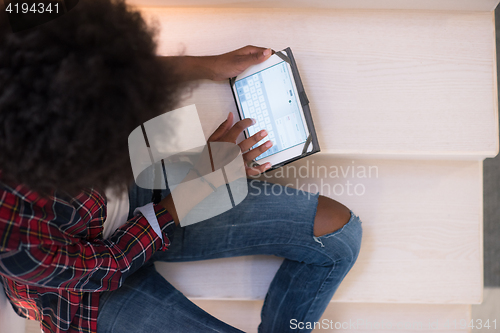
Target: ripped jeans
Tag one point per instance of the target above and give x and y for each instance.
(269, 222)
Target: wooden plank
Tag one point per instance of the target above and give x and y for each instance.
(454, 5)
(385, 83)
(358, 317)
(422, 231)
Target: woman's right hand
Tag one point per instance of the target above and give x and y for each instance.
(227, 132)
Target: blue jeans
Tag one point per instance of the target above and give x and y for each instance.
(269, 221)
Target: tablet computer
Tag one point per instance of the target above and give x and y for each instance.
(272, 93)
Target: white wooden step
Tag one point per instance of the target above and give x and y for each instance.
(381, 83)
(355, 317)
(449, 5)
(422, 241)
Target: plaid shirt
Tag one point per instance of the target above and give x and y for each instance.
(53, 259)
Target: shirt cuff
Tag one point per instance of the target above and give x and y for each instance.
(149, 213)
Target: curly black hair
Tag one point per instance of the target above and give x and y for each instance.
(72, 90)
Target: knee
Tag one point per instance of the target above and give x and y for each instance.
(331, 215)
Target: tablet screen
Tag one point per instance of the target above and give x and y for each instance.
(269, 97)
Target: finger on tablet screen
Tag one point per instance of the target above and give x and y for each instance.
(252, 154)
(252, 141)
(238, 128)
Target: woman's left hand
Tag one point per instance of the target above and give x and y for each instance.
(233, 63)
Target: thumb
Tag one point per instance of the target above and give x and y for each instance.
(223, 128)
(258, 56)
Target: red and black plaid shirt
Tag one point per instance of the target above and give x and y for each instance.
(53, 260)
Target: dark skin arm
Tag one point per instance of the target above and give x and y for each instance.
(218, 67)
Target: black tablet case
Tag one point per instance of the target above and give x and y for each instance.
(305, 106)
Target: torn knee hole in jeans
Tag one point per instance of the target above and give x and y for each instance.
(318, 238)
(333, 233)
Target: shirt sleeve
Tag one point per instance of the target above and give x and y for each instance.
(149, 213)
(79, 265)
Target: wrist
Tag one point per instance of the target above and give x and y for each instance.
(198, 68)
(191, 68)
(206, 65)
